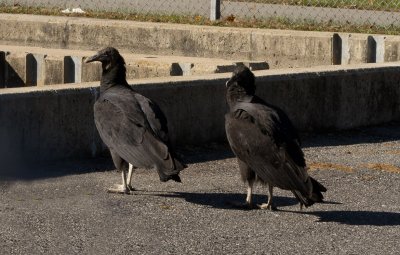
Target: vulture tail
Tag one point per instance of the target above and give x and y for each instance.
(315, 195)
(317, 188)
(172, 171)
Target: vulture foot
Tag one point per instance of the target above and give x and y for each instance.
(270, 207)
(120, 189)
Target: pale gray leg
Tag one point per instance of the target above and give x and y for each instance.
(249, 177)
(269, 205)
(249, 197)
(123, 166)
(120, 188)
(129, 179)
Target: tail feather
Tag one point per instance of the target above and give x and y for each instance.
(175, 166)
(316, 193)
(178, 163)
(303, 199)
(317, 188)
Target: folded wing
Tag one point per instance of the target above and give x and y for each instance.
(266, 140)
(136, 136)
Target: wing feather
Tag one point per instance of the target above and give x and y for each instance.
(154, 116)
(124, 127)
(259, 137)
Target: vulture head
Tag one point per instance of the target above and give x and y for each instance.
(242, 79)
(109, 58)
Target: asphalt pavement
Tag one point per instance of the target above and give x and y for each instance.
(63, 207)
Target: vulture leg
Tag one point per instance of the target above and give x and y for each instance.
(129, 179)
(269, 205)
(122, 165)
(249, 197)
(249, 177)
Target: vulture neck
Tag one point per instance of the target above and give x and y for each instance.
(237, 94)
(113, 76)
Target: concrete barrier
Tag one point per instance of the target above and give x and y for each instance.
(279, 48)
(56, 122)
(36, 66)
(15, 71)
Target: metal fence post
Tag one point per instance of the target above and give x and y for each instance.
(215, 10)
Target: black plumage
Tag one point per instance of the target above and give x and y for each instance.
(266, 143)
(132, 126)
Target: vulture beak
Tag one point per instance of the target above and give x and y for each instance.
(97, 57)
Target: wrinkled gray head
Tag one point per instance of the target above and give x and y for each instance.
(244, 78)
(108, 56)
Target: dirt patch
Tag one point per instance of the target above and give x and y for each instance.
(394, 152)
(389, 144)
(383, 167)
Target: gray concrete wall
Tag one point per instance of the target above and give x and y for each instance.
(279, 48)
(47, 123)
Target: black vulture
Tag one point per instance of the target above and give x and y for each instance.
(132, 126)
(266, 144)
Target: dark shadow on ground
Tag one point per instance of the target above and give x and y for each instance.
(32, 171)
(355, 218)
(373, 134)
(231, 200)
(210, 152)
(190, 155)
(359, 218)
(228, 200)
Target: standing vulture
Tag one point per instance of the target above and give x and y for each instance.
(132, 126)
(266, 143)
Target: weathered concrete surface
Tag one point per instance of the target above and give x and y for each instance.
(392, 48)
(279, 48)
(53, 68)
(37, 66)
(3, 64)
(363, 48)
(15, 71)
(57, 122)
(358, 49)
(46, 125)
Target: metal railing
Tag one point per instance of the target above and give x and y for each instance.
(355, 12)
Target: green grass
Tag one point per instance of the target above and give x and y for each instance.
(387, 5)
(230, 21)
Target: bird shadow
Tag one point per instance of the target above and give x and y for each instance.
(230, 201)
(357, 218)
(233, 201)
